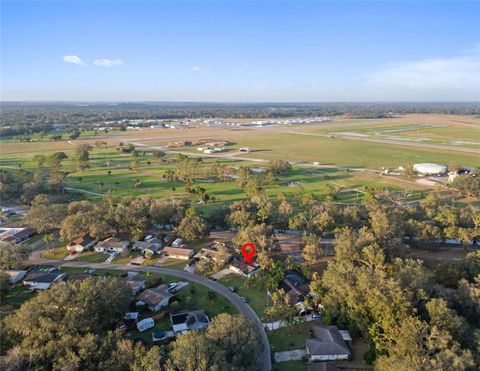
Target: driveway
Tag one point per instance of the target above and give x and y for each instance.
(233, 298)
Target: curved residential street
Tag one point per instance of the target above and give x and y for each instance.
(233, 298)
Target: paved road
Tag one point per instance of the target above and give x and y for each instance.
(233, 298)
(389, 141)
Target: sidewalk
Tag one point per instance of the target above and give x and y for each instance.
(281, 323)
(291, 355)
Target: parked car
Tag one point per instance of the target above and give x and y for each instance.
(232, 289)
(244, 299)
(172, 286)
(316, 315)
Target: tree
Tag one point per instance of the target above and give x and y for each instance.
(409, 170)
(66, 324)
(133, 166)
(260, 235)
(56, 159)
(159, 155)
(312, 251)
(230, 343)
(421, 347)
(192, 227)
(74, 135)
(12, 256)
(48, 239)
(39, 160)
(279, 166)
(44, 215)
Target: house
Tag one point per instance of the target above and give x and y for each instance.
(296, 286)
(135, 283)
(82, 243)
(328, 344)
(185, 321)
(178, 253)
(131, 317)
(244, 269)
(112, 244)
(15, 275)
(322, 366)
(16, 235)
(42, 280)
(153, 245)
(217, 253)
(177, 243)
(145, 324)
(156, 298)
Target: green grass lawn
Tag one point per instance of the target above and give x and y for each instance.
(290, 337)
(16, 296)
(174, 263)
(291, 366)
(125, 258)
(117, 179)
(57, 253)
(257, 299)
(92, 257)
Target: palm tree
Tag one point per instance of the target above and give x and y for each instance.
(211, 296)
(48, 238)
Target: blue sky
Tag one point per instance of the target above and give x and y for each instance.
(240, 51)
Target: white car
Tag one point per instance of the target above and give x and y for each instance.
(172, 286)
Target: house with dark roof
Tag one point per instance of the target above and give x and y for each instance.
(185, 321)
(16, 235)
(42, 280)
(244, 269)
(327, 345)
(153, 245)
(156, 298)
(81, 243)
(136, 283)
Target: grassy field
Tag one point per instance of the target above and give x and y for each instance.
(16, 296)
(57, 253)
(117, 178)
(291, 366)
(92, 257)
(257, 299)
(290, 337)
(109, 168)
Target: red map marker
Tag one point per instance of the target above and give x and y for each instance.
(248, 251)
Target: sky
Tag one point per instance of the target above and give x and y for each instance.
(245, 51)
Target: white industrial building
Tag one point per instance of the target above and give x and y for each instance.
(430, 169)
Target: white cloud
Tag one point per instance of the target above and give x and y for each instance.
(443, 78)
(74, 59)
(107, 63)
(199, 70)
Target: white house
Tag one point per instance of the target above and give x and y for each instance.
(81, 244)
(178, 253)
(145, 324)
(112, 244)
(328, 344)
